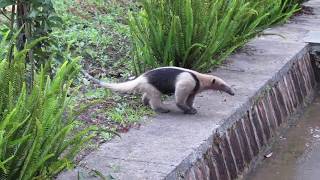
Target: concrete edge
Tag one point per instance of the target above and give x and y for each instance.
(236, 145)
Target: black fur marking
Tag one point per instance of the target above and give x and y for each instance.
(164, 79)
(196, 88)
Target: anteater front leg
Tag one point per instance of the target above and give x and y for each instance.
(182, 94)
(190, 100)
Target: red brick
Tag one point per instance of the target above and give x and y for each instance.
(250, 133)
(270, 114)
(235, 148)
(225, 147)
(302, 78)
(275, 106)
(263, 119)
(281, 102)
(290, 95)
(284, 91)
(296, 86)
(218, 159)
(257, 126)
(244, 144)
(208, 158)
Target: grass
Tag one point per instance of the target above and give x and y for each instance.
(99, 32)
(109, 111)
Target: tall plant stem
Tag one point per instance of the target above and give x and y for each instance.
(13, 10)
(28, 34)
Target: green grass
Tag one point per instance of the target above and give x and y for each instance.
(124, 113)
(109, 111)
(96, 30)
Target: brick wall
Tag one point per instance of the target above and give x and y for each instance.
(233, 152)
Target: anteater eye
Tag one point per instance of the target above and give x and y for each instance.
(213, 81)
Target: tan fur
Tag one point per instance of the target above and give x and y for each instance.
(152, 97)
(184, 88)
(134, 85)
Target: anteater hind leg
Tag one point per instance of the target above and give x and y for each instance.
(145, 99)
(157, 105)
(182, 94)
(154, 99)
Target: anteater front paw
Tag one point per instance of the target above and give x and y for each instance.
(191, 111)
(162, 110)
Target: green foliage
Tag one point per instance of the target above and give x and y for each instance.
(199, 34)
(4, 36)
(37, 137)
(34, 19)
(93, 29)
(124, 114)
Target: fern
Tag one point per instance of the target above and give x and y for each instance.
(199, 34)
(37, 134)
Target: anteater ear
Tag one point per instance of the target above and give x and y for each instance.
(213, 81)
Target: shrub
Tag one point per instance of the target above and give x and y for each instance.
(199, 34)
(34, 19)
(37, 137)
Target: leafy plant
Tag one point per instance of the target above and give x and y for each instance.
(37, 137)
(199, 34)
(34, 19)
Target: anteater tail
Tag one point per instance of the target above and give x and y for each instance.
(122, 87)
(119, 87)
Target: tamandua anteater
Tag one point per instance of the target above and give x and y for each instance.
(183, 83)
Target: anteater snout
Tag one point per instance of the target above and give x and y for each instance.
(228, 90)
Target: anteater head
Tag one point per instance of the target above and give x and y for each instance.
(219, 84)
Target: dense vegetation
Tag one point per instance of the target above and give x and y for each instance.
(39, 129)
(37, 137)
(199, 34)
